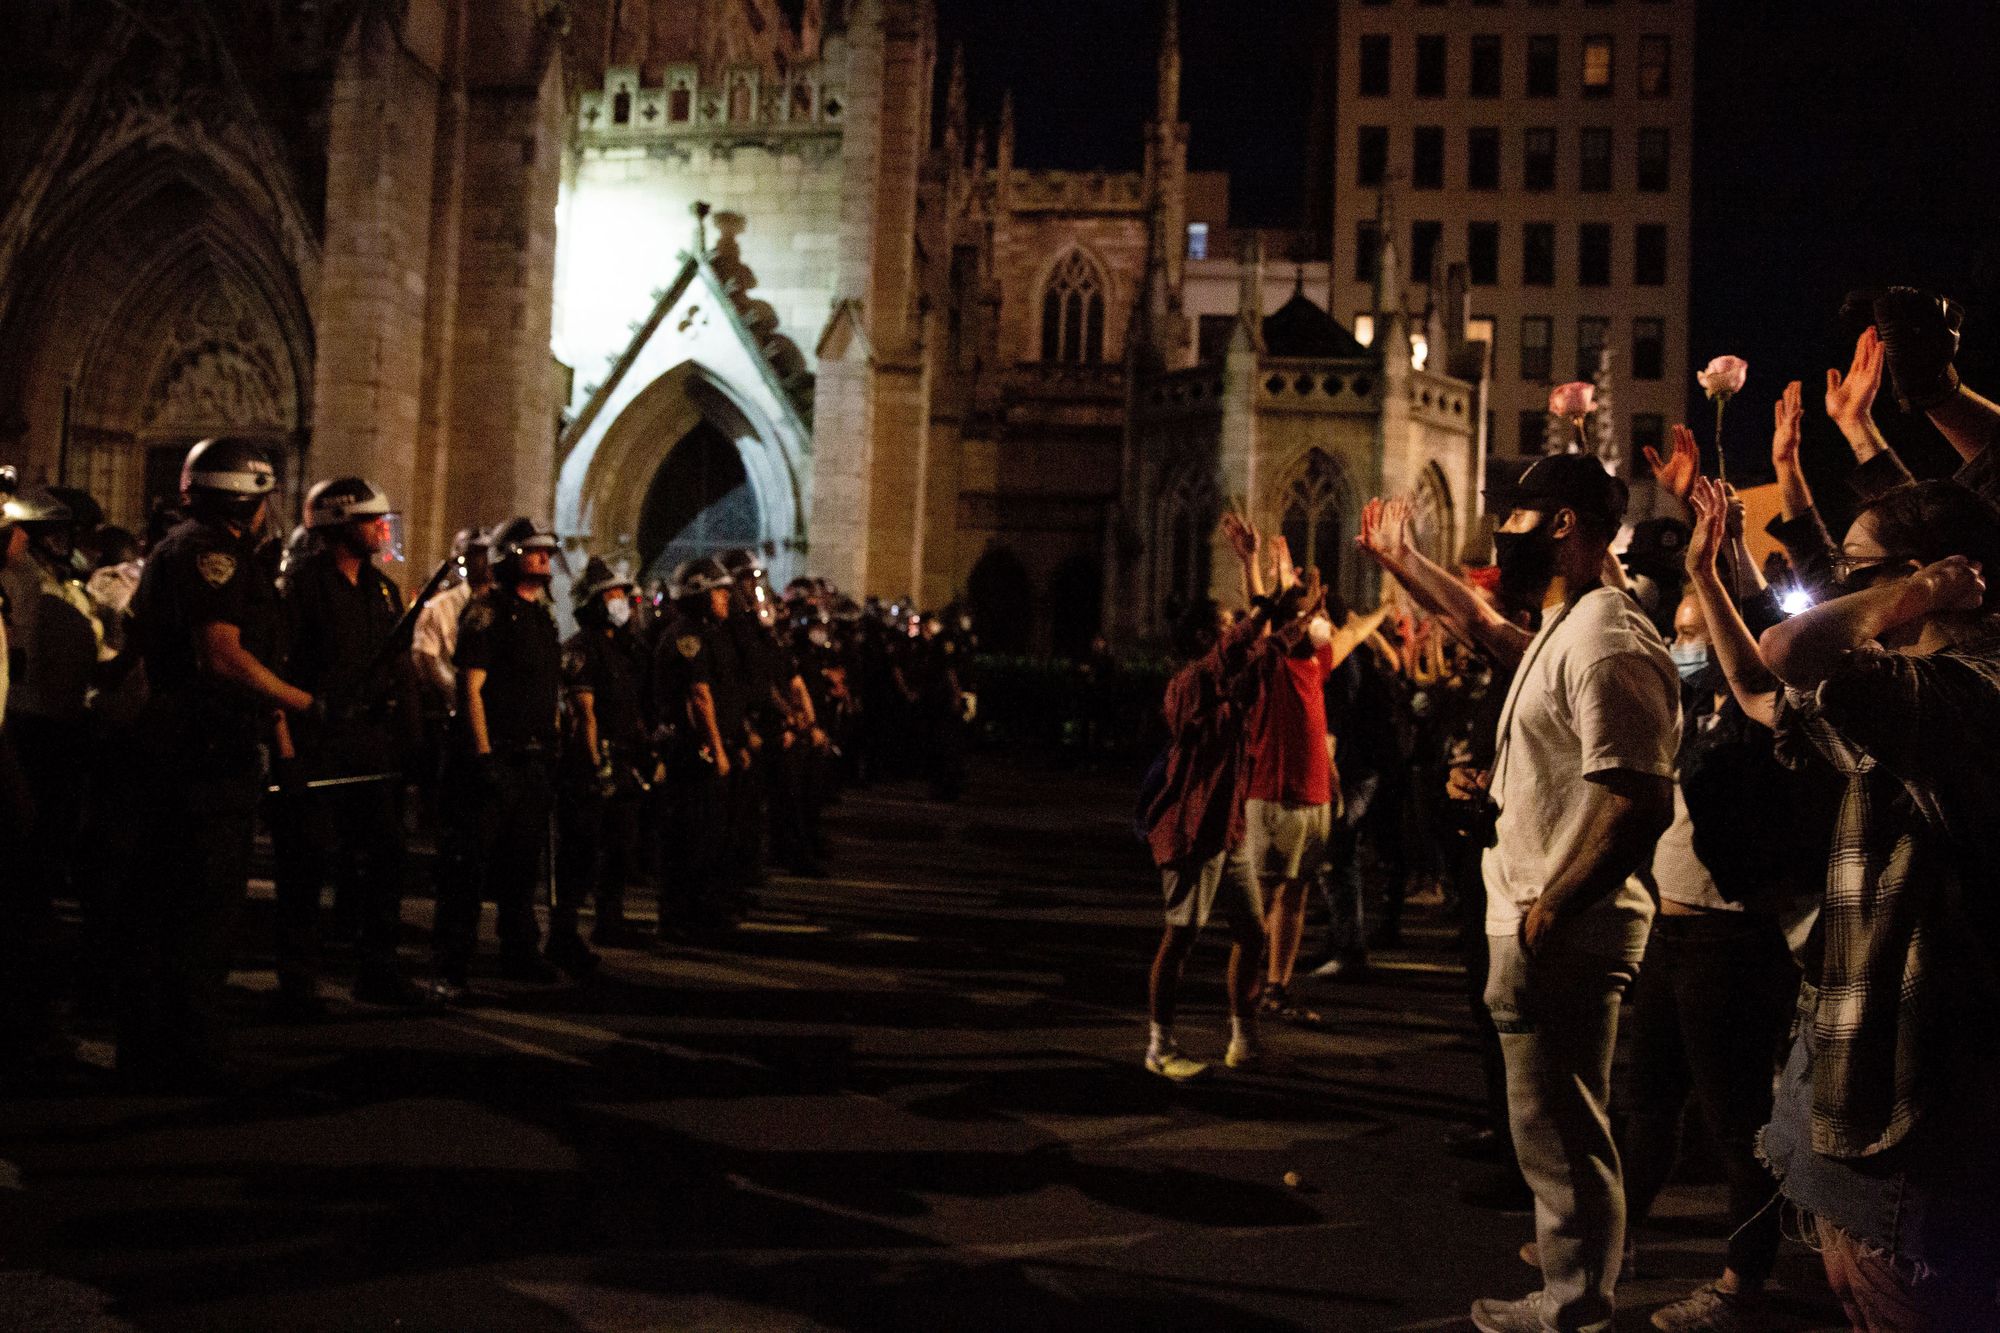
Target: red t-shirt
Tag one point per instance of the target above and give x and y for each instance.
(1288, 760)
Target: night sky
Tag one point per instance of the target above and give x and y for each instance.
(1839, 142)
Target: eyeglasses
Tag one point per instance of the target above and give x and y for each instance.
(1855, 572)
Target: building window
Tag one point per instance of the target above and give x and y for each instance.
(1371, 155)
(1197, 240)
(1592, 332)
(1544, 52)
(1649, 431)
(1424, 238)
(1538, 159)
(1480, 329)
(1534, 431)
(1310, 518)
(1649, 255)
(1537, 339)
(1375, 65)
(1367, 250)
(1482, 159)
(1427, 158)
(1430, 65)
(1073, 313)
(1594, 160)
(1482, 252)
(1597, 66)
(1593, 254)
(1484, 80)
(1653, 161)
(1538, 254)
(1656, 76)
(1649, 349)
(1364, 329)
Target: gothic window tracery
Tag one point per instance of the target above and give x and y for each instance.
(1073, 313)
(1191, 511)
(1311, 513)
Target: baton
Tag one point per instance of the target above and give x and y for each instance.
(320, 784)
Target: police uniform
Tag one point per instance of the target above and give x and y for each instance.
(598, 812)
(336, 632)
(498, 805)
(694, 832)
(199, 758)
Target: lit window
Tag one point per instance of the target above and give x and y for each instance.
(1479, 328)
(1420, 350)
(1073, 313)
(1197, 240)
(1364, 330)
(1597, 67)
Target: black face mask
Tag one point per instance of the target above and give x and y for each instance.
(1527, 562)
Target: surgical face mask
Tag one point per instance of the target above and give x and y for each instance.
(619, 611)
(1690, 659)
(1320, 630)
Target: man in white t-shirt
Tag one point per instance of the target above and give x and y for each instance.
(1583, 784)
(434, 638)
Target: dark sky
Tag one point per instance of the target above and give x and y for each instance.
(1838, 142)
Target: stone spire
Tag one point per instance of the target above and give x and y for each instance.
(1167, 109)
(954, 108)
(1003, 190)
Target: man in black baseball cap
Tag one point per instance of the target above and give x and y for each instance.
(1534, 537)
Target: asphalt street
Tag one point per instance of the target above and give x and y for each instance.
(907, 1097)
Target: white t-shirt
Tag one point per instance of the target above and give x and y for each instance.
(1596, 692)
(434, 638)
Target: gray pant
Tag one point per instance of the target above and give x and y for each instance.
(1558, 1020)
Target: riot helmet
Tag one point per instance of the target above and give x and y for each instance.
(705, 584)
(598, 579)
(469, 554)
(348, 510)
(512, 541)
(227, 478)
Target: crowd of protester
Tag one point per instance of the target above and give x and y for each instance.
(1739, 818)
(164, 697)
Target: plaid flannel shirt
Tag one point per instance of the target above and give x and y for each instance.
(1910, 940)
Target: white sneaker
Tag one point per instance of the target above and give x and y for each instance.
(1522, 1316)
(1171, 1064)
(1248, 1055)
(1710, 1309)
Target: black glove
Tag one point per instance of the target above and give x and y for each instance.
(1919, 332)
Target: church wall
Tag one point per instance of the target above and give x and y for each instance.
(1033, 243)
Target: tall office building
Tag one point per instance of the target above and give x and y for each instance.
(1544, 144)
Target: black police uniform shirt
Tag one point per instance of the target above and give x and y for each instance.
(604, 664)
(514, 641)
(763, 671)
(681, 661)
(335, 630)
(203, 574)
(728, 677)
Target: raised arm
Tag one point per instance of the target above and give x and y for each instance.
(1850, 404)
(1750, 681)
(1806, 649)
(1675, 474)
(1385, 535)
(1798, 526)
(1244, 541)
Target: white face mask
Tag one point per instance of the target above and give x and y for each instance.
(619, 611)
(1320, 630)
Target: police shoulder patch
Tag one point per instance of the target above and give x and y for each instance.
(689, 645)
(477, 616)
(215, 567)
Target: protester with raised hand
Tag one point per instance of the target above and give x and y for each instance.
(1797, 526)
(1883, 1124)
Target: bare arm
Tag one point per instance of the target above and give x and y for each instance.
(1750, 681)
(1970, 422)
(1794, 496)
(586, 708)
(472, 686)
(220, 652)
(1385, 530)
(1624, 815)
(1244, 540)
(1850, 401)
(1806, 649)
(703, 699)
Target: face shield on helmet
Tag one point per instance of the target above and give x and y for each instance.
(356, 513)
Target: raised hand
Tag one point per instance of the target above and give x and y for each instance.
(1397, 521)
(1241, 536)
(1711, 517)
(1285, 574)
(1676, 473)
(1850, 399)
(1954, 583)
(1786, 415)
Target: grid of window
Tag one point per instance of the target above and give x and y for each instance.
(1538, 158)
(1544, 53)
(1367, 241)
(1375, 51)
(1649, 348)
(1594, 160)
(1656, 76)
(1593, 254)
(1424, 238)
(1592, 333)
(1653, 162)
(1427, 158)
(1482, 158)
(1430, 65)
(1483, 79)
(1371, 155)
(1538, 254)
(1649, 255)
(1537, 339)
(1482, 252)
(1597, 66)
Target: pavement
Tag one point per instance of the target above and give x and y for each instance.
(906, 1097)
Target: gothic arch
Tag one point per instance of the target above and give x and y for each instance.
(1073, 301)
(1435, 520)
(1316, 508)
(1188, 511)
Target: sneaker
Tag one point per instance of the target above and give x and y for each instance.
(1710, 1309)
(1342, 965)
(1531, 1255)
(1174, 1066)
(1522, 1316)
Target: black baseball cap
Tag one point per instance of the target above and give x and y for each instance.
(1576, 482)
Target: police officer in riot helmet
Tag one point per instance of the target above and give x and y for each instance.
(206, 622)
(784, 727)
(698, 708)
(341, 776)
(498, 789)
(607, 770)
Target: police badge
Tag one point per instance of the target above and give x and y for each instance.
(690, 646)
(217, 567)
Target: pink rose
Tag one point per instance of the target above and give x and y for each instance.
(1724, 376)
(1577, 399)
